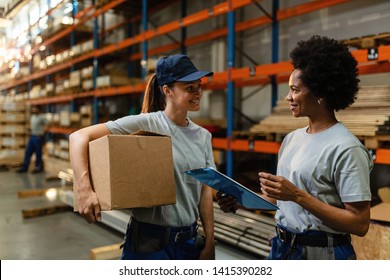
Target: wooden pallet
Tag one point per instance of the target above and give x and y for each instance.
(110, 252)
(7, 166)
(369, 41)
(47, 210)
(40, 192)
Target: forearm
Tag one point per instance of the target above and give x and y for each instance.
(78, 152)
(353, 219)
(206, 211)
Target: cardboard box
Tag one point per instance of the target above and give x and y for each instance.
(375, 245)
(132, 171)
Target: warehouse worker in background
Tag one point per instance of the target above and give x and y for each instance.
(163, 232)
(322, 184)
(38, 122)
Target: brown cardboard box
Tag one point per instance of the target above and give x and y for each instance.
(131, 171)
(375, 245)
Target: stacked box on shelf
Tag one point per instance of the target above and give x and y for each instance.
(87, 46)
(13, 132)
(64, 149)
(38, 92)
(62, 87)
(115, 80)
(86, 115)
(69, 119)
(86, 77)
(36, 61)
(59, 149)
(86, 72)
(76, 50)
(75, 80)
(49, 89)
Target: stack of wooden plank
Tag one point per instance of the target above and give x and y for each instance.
(370, 41)
(13, 133)
(369, 116)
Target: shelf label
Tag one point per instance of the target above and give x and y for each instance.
(372, 54)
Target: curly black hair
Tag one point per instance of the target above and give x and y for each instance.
(328, 70)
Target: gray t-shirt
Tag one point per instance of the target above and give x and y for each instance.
(332, 165)
(191, 148)
(37, 124)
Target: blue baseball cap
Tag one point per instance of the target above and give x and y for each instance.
(178, 68)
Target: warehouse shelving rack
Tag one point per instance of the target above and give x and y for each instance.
(232, 78)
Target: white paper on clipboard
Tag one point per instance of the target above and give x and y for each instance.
(221, 182)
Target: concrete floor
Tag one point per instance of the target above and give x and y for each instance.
(59, 236)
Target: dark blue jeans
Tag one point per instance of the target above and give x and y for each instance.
(151, 245)
(34, 145)
(286, 251)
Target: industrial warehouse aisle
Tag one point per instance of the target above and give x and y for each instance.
(60, 236)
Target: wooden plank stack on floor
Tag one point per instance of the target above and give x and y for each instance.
(109, 252)
(13, 133)
(50, 206)
(368, 118)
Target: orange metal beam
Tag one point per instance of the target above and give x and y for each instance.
(307, 8)
(169, 27)
(61, 130)
(240, 73)
(252, 81)
(84, 12)
(48, 100)
(373, 68)
(106, 50)
(112, 91)
(239, 145)
(382, 156)
(274, 68)
(362, 55)
(266, 147)
(219, 143)
(257, 146)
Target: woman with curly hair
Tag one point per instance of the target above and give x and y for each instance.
(322, 184)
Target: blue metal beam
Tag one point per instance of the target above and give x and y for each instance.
(230, 91)
(275, 50)
(129, 49)
(95, 70)
(183, 29)
(73, 33)
(144, 43)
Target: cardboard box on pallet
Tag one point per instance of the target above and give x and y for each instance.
(132, 171)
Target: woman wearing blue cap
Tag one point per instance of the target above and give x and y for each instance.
(163, 232)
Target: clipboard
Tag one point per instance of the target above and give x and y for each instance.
(220, 182)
